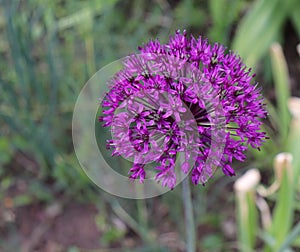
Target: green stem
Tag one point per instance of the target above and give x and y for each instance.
(290, 238)
(189, 216)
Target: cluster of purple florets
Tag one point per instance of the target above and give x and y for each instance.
(147, 111)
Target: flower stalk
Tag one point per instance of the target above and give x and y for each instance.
(284, 208)
(189, 216)
(246, 209)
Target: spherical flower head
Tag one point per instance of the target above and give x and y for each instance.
(152, 124)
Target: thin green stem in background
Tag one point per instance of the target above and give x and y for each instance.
(131, 222)
(189, 216)
(282, 88)
(247, 220)
(283, 212)
(290, 238)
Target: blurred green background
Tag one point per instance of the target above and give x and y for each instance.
(49, 49)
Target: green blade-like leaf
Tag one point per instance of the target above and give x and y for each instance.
(247, 221)
(284, 209)
(260, 27)
(282, 88)
(293, 235)
(295, 17)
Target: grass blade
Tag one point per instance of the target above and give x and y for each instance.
(260, 27)
(293, 235)
(283, 211)
(246, 209)
(282, 88)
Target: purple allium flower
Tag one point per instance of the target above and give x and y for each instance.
(147, 109)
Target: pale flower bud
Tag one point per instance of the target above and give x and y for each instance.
(294, 107)
(283, 161)
(248, 181)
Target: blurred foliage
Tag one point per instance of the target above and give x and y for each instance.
(261, 26)
(277, 230)
(49, 49)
